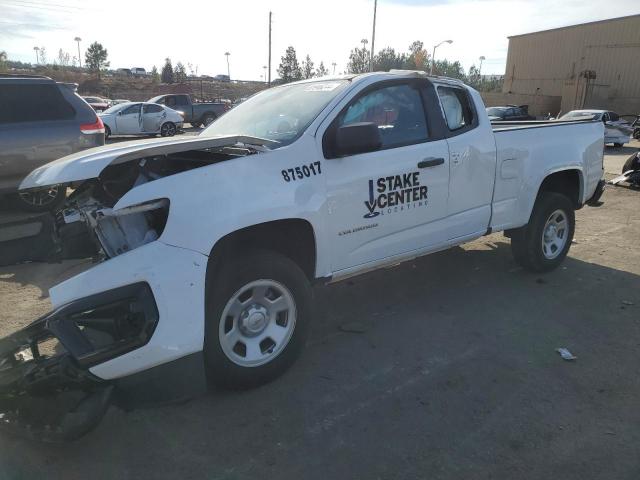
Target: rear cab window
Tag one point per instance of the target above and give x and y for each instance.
(33, 102)
(457, 109)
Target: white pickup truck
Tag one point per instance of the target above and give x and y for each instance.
(210, 244)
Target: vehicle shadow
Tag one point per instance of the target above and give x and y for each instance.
(452, 366)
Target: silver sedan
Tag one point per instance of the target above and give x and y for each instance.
(141, 118)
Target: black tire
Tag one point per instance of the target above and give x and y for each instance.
(41, 200)
(527, 242)
(632, 163)
(196, 124)
(233, 276)
(208, 119)
(168, 129)
(636, 134)
(107, 132)
(618, 145)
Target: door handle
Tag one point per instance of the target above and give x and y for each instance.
(430, 162)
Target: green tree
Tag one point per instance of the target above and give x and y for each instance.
(167, 71)
(449, 69)
(387, 59)
(155, 76)
(289, 69)
(321, 71)
(358, 60)
(95, 58)
(3, 60)
(307, 68)
(180, 73)
(473, 77)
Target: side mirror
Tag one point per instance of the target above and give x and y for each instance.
(357, 138)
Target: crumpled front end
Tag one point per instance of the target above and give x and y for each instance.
(46, 389)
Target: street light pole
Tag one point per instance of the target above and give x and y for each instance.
(264, 68)
(433, 57)
(269, 64)
(373, 34)
(334, 67)
(37, 50)
(228, 70)
(78, 40)
(482, 58)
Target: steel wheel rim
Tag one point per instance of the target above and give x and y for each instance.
(554, 234)
(41, 196)
(257, 323)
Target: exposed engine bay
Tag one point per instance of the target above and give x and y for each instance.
(88, 226)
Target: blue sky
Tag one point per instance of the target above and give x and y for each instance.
(142, 33)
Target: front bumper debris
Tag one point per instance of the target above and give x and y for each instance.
(46, 390)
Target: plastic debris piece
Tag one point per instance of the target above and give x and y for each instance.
(566, 354)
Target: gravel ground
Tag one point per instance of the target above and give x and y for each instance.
(454, 375)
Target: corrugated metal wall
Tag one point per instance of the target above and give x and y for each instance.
(544, 62)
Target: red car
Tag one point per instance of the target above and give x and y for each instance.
(97, 103)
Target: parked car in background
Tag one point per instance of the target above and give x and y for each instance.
(509, 113)
(617, 130)
(636, 127)
(197, 114)
(118, 101)
(97, 103)
(124, 71)
(141, 118)
(41, 121)
(222, 78)
(139, 72)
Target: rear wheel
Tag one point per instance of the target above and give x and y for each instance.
(168, 129)
(618, 145)
(208, 119)
(41, 199)
(196, 124)
(257, 319)
(544, 242)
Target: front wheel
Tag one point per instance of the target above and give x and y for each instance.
(38, 200)
(544, 242)
(257, 317)
(208, 119)
(168, 129)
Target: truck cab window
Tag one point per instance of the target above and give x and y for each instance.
(396, 110)
(456, 108)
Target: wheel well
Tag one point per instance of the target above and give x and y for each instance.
(566, 182)
(293, 238)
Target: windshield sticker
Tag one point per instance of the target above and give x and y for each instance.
(304, 171)
(394, 194)
(322, 87)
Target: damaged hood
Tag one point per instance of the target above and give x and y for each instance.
(90, 163)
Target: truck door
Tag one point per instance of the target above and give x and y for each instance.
(472, 152)
(392, 201)
(152, 117)
(128, 120)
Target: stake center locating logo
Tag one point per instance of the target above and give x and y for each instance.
(388, 193)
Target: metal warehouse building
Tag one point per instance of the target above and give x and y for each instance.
(592, 65)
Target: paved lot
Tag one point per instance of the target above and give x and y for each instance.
(455, 376)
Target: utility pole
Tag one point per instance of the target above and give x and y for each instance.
(228, 70)
(78, 40)
(269, 78)
(373, 35)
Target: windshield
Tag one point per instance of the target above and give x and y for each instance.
(495, 111)
(281, 114)
(115, 108)
(580, 116)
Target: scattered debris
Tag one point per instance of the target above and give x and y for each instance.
(566, 354)
(354, 327)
